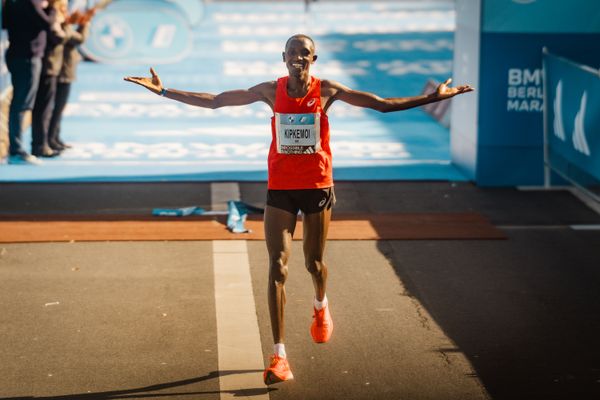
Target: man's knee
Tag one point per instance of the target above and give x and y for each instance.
(278, 269)
(314, 265)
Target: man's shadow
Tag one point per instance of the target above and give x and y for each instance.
(142, 392)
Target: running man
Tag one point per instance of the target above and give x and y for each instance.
(299, 172)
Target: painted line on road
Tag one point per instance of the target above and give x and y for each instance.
(586, 227)
(575, 227)
(239, 346)
(532, 227)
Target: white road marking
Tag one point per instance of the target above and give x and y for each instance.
(238, 336)
(584, 227)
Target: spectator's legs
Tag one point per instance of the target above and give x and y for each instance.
(25, 77)
(40, 118)
(62, 96)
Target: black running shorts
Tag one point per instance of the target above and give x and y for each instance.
(309, 201)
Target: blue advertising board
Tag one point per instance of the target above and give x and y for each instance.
(573, 113)
(540, 16)
(143, 31)
(505, 126)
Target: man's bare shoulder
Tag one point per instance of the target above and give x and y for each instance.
(331, 87)
(265, 87)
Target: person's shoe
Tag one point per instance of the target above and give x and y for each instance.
(322, 325)
(278, 371)
(46, 152)
(56, 146)
(24, 159)
(64, 145)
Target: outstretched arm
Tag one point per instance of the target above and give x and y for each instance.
(243, 97)
(336, 91)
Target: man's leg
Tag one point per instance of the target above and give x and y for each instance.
(316, 226)
(25, 76)
(279, 228)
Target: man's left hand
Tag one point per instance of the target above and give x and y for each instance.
(444, 91)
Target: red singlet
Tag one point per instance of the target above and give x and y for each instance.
(299, 156)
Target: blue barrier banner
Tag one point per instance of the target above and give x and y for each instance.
(143, 31)
(497, 136)
(541, 16)
(121, 132)
(573, 113)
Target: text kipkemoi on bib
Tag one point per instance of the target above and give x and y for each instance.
(298, 133)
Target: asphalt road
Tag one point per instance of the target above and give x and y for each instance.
(502, 319)
(133, 319)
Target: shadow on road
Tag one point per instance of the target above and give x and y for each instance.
(524, 311)
(143, 392)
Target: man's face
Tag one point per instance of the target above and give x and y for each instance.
(299, 55)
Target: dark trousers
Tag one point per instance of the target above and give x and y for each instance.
(63, 89)
(42, 112)
(25, 78)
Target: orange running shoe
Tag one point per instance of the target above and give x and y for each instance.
(278, 371)
(322, 325)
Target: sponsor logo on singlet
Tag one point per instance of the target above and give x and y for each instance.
(298, 133)
(311, 102)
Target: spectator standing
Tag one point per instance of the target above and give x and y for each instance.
(51, 65)
(27, 24)
(67, 75)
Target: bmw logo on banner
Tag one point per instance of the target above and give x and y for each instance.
(142, 31)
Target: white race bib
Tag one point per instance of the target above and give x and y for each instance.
(298, 133)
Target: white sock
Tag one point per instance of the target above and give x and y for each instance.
(321, 304)
(279, 349)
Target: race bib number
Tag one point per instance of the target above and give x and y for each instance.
(298, 133)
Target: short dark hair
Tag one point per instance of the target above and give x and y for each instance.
(299, 36)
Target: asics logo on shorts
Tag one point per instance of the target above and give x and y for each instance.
(322, 202)
(311, 102)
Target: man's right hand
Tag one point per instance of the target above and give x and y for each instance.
(153, 83)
